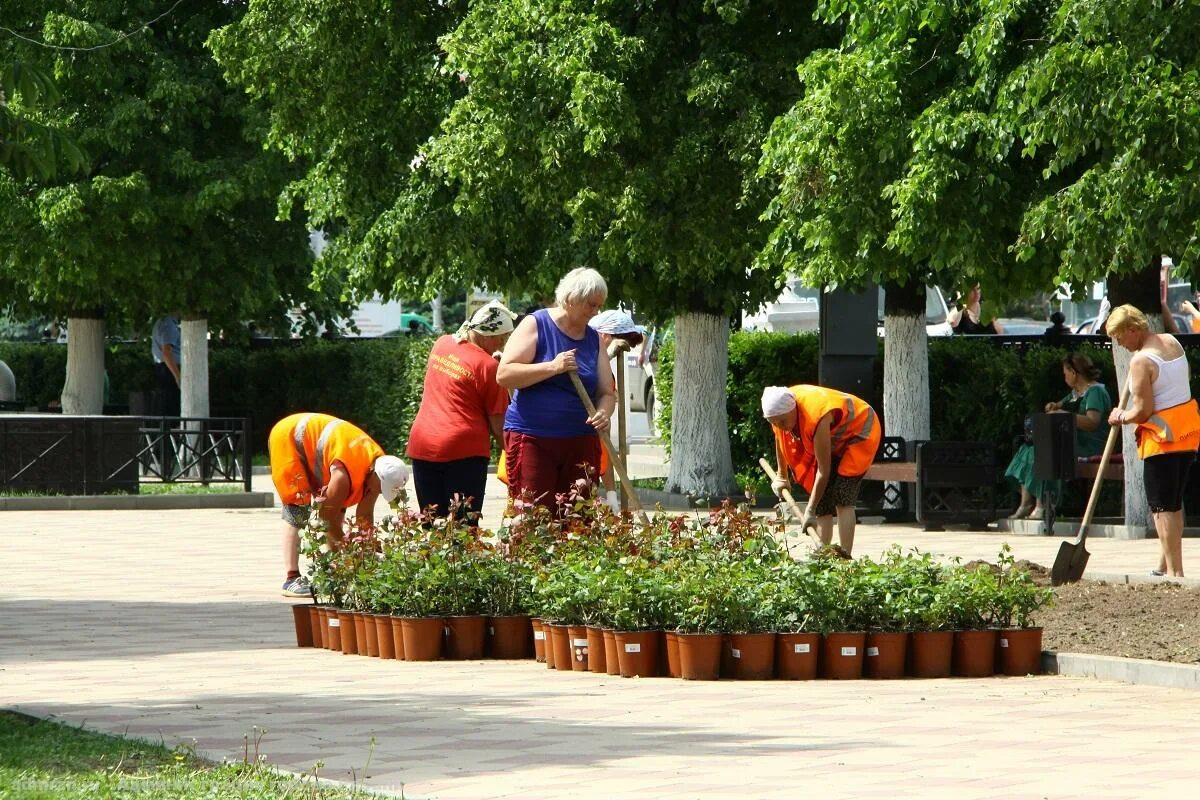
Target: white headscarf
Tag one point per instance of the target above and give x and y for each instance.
(494, 319)
(777, 401)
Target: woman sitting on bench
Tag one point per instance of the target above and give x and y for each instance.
(1090, 403)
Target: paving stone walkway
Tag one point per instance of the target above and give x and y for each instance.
(168, 625)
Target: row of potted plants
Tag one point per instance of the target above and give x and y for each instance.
(721, 590)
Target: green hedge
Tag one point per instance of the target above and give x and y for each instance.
(375, 383)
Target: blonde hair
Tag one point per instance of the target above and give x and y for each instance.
(1125, 318)
(581, 283)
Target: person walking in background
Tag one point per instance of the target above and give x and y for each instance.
(318, 459)
(462, 409)
(613, 325)
(968, 318)
(166, 349)
(1168, 424)
(827, 439)
(549, 438)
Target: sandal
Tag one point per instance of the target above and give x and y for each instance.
(1158, 573)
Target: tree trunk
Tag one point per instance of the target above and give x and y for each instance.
(1141, 289)
(83, 392)
(435, 310)
(905, 363)
(701, 463)
(193, 366)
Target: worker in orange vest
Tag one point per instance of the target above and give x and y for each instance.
(1168, 424)
(318, 459)
(827, 439)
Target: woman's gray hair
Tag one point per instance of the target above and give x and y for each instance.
(580, 284)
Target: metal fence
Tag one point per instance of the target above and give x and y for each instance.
(195, 449)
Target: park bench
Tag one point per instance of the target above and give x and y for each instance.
(952, 482)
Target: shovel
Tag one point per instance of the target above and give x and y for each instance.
(630, 492)
(809, 528)
(1072, 556)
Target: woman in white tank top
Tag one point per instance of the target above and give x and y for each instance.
(1168, 424)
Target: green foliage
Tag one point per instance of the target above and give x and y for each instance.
(28, 147)
(1019, 144)
(175, 207)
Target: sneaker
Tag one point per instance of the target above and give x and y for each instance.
(297, 587)
(1157, 573)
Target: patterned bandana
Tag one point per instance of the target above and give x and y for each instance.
(494, 319)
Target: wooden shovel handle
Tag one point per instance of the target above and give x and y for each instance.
(630, 492)
(1109, 444)
(791, 501)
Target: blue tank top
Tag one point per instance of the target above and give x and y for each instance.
(552, 408)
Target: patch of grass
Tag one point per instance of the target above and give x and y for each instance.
(650, 483)
(190, 488)
(40, 759)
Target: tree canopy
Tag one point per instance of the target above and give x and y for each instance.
(176, 206)
(1021, 144)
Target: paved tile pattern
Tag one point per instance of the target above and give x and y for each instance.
(168, 625)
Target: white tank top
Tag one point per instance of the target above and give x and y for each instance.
(1171, 387)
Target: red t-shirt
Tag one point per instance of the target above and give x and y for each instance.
(460, 394)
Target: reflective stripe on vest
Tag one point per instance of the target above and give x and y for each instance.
(316, 472)
(839, 433)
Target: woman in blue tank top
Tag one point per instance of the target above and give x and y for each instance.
(549, 439)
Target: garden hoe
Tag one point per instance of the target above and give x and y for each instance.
(1072, 556)
(809, 528)
(614, 459)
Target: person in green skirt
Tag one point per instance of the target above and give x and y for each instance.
(1089, 401)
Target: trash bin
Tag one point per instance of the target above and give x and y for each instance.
(1054, 446)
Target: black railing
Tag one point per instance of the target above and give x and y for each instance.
(195, 449)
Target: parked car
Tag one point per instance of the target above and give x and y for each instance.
(1023, 327)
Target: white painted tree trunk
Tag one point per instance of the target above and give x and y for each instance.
(701, 463)
(435, 310)
(193, 385)
(906, 377)
(83, 391)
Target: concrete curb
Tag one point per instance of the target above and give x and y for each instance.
(1125, 670)
(134, 502)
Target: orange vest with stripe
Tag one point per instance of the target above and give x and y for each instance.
(854, 433)
(303, 447)
(1171, 430)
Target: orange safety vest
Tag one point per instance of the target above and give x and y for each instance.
(854, 432)
(303, 447)
(1171, 430)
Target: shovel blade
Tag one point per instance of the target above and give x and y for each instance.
(1069, 565)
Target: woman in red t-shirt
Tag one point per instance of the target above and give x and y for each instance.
(461, 407)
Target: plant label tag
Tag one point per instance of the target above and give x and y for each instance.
(872, 651)
(539, 635)
(491, 630)
(446, 630)
(579, 642)
(736, 653)
(1004, 642)
(335, 623)
(849, 651)
(801, 648)
(633, 648)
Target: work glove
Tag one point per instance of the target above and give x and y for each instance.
(808, 521)
(613, 500)
(778, 485)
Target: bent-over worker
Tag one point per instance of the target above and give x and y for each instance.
(322, 460)
(827, 439)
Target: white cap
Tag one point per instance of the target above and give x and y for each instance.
(616, 323)
(777, 401)
(393, 474)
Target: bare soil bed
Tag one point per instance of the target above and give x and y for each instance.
(1158, 621)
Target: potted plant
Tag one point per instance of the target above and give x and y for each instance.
(637, 602)
(885, 587)
(750, 625)
(695, 607)
(793, 614)
(836, 588)
(971, 593)
(1018, 597)
(507, 595)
